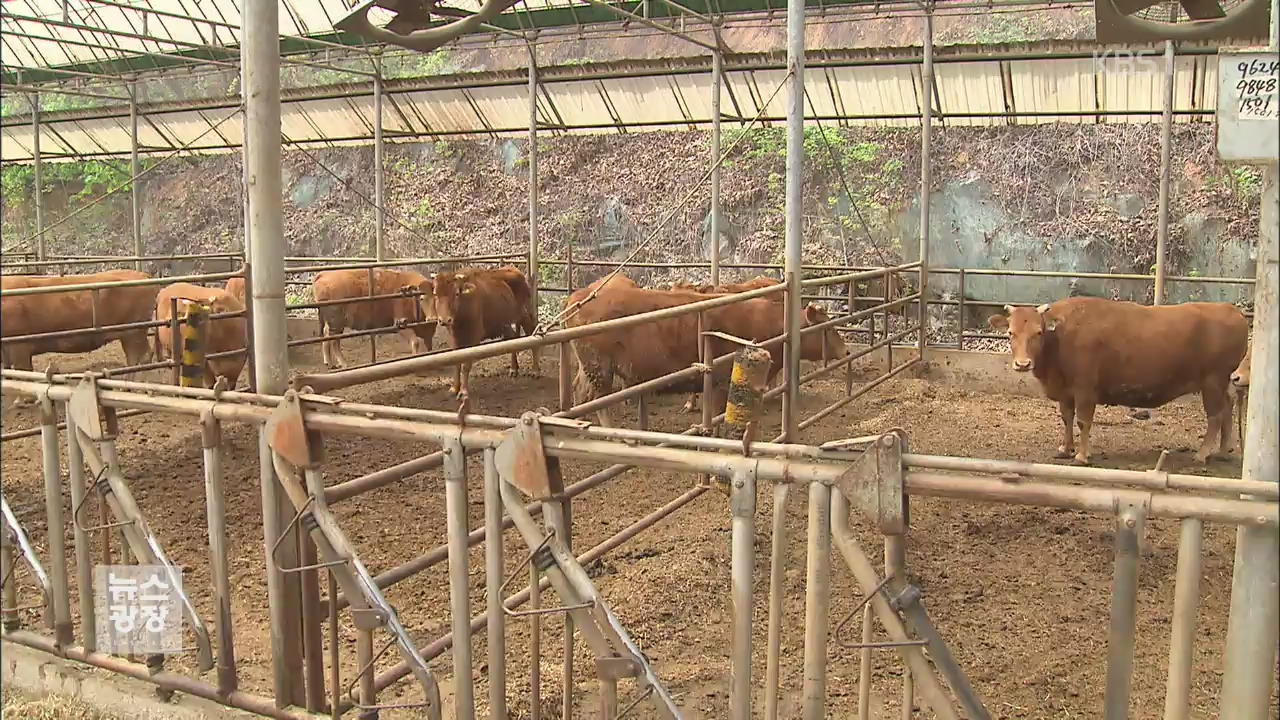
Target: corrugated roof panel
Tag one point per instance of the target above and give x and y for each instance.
(1053, 86)
(448, 110)
(970, 88)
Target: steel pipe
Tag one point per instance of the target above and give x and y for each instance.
(82, 543)
(817, 602)
(494, 569)
(165, 680)
(793, 227)
(742, 502)
(1130, 522)
(777, 577)
(56, 526)
(455, 490)
(1186, 602)
(1166, 149)
(926, 178)
(215, 501)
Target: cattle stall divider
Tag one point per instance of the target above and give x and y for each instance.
(871, 475)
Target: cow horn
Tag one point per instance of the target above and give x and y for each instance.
(1043, 308)
(1008, 309)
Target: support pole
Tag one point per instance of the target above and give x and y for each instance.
(717, 78)
(742, 502)
(135, 168)
(215, 501)
(533, 179)
(1250, 658)
(1186, 601)
(36, 167)
(1124, 601)
(817, 602)
(379, 198)
(260, 66)
(926, 177)
(83, 544)
(56, 528)
(1166, 146)
(777, 578)
(455, 492)
(496, 637)
(794, 207)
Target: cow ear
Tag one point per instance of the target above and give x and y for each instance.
(1043, 309)
(810, 313)
(468, 288)
(1050, 324)
(1008, 309)
(998, 322)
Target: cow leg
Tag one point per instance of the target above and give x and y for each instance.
(1067, 408)
(464, 390)
(1084, 419)
(136, 348)
(1214, 398)
(691, 405)
(20, 358)
(457, 380)
(1228, 442)
(515, 365)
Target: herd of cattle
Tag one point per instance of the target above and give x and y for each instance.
(1083, 351)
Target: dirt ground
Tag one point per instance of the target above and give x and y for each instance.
(1021, 594)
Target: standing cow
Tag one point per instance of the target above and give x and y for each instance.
(222, 334)
(478, 304)
(333, 285)
(235, 286)
(54, 312)
(643, 352)
(1089, 351)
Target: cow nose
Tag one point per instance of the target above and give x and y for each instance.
(1235, 379)
(1024, 365)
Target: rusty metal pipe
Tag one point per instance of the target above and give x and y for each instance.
(163, 679)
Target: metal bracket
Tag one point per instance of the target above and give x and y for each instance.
(521, 458)
(85, 410)
(616, 668)
(874, 482)
(287, 433)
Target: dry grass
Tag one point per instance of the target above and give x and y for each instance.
(61, 707)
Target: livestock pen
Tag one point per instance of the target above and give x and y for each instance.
(308, 478)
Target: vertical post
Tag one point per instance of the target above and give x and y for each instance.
(535, 644)
(926, 178)
(717, 78)
(853, 307)
(1250, 658)
(215, 500)
(565, 385)
(53, 508)
(708, 387)
(1166, 146)
(1124, 602)
(566, 706)
(533, 178)
(794, 207)
(493, 573)
(455, 493)
(742, 502)
(135, 167)
(895, 566)
(335, 662)
(864, 666)
(777, 576)
(960, 312)
(36, 167)
(817, 602)
(9, 595)
(379, 199)
(312, 636)
(1186, 600)
(260, 68)
(365, 661)
(83, 549)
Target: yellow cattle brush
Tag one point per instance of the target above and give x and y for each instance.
(194, 334)
(746, 387)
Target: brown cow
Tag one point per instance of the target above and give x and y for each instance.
(755, 283)
(223, 334)
(477, 304)
(644, 352)
(30, 314)
(235, 286)
(1240, 387)
(347, 284)
(1086, 351)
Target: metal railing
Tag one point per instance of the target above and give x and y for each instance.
(835, 480)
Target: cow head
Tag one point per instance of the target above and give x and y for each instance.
(1240, 378)
(1027, 329)
(446, 294)
(825, 345)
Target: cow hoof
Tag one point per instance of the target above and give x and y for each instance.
(1080, 462)
(1203, 459)
(1064, 453)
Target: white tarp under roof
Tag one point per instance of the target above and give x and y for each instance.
(602, 98)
